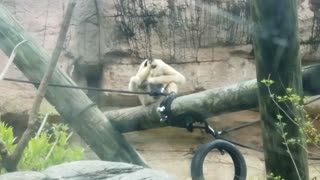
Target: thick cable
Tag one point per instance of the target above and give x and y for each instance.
(86, 88)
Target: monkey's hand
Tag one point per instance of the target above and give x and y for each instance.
(153, 64)
(156, 92)
(144, 71)
(151, 80)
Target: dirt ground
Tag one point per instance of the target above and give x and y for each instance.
(171, 149)
(174, 156)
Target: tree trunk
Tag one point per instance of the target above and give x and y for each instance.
(212, 102)
(33, 115)
(74, 106)
(276, 46)
(209, 103)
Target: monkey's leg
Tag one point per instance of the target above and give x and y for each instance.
(146, 100)
(172, 87)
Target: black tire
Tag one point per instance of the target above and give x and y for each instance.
(240, 167)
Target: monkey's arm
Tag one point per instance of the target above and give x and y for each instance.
(139, 80)
(143, 74)
(170, 75)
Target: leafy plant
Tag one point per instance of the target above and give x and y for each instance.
(274, 177)
(7, 136)
(306, 126)
(45, 150)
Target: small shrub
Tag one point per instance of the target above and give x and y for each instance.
(274, 177)
(41, 152)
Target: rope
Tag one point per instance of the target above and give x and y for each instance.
(226, 131)
(149, 42)
(148, 21)
(311, 101)
(242, 145)
(186, 120)
(11, 58)
(88, 88)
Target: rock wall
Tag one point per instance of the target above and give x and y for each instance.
(224, 70)
(208, 41)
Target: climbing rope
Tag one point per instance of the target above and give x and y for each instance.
(148, 32)
(89, 88)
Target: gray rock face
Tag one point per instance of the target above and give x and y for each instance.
(87, 170)
(28, 175)
(207, 41)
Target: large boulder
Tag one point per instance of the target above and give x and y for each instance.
(84, 170)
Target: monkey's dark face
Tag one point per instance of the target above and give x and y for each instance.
(150, 62)
(153, 64)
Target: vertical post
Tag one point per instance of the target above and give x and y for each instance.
(276, 45)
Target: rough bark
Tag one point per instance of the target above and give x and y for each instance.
(12, 162)
(212, 102)
(209, 103)
(73, 105)
(276, 44)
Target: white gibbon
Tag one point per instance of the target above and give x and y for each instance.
(155, 76)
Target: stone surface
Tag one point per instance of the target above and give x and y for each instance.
(107, 41)
(84, 170)
(27, 175)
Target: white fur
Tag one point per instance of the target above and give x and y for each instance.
(156, 72)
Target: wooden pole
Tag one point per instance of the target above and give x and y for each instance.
(276, 45)
(73, 105)
(33, 115)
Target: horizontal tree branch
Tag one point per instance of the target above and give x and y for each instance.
(237, 97)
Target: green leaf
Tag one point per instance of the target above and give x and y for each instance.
(34, 156)
(279, 116)
(289, 90)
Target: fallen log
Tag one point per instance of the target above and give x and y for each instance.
(211, 102)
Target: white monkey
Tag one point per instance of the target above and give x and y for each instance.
(155, 76)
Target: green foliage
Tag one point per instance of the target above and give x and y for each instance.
(312, 132)
(45, 150)
(267, 82)
(274, 177)
(306, 127)
(7, 136)
(304, 122)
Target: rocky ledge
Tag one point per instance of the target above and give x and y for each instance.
(95, 169)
